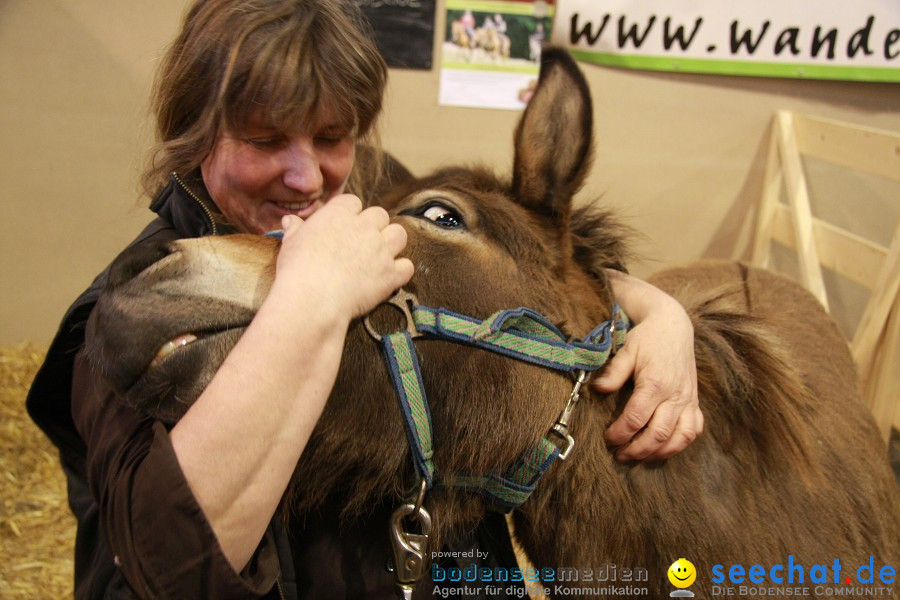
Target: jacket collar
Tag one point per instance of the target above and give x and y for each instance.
(187, 205)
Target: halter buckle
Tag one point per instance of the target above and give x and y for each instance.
(402, 301)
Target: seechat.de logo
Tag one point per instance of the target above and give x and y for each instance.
(832, 578)
(682, 574)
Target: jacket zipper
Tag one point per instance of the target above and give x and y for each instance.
(206, 211)
(280, 589)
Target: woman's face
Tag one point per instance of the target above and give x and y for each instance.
(258, 174)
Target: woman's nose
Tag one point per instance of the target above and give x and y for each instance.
(302, 171)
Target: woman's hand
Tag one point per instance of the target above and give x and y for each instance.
(663, 415)
(349, 252)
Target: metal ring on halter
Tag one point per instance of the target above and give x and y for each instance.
(417, 508)
(402, 301)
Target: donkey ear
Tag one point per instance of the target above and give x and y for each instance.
(554, 138)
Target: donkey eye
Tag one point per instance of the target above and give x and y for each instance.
(443, 216)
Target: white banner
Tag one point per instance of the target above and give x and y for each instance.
(821, 39)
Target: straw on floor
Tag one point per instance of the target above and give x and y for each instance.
(37, 531)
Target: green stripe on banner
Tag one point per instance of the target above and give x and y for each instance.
(495, 6)
(732, 67)
(458, 65)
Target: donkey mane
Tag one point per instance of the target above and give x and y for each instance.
(759, 392)
(599, 240)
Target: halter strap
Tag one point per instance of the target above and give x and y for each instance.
(403, 367)
(519, 333)
(525, 335)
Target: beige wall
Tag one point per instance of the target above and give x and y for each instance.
(680, 156)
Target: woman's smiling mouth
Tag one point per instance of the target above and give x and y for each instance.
(294, 205)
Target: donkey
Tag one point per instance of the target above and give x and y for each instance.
(791, 471)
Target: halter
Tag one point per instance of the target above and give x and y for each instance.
(519, 333)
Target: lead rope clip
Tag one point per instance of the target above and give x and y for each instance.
(410, 548)
(561, 428)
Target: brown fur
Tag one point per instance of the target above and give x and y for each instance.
(790, 463)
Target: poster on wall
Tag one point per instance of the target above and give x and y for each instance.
(491, 52)
(404, 30)
(826, 39)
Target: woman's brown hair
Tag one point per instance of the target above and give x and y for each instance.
(289, 58)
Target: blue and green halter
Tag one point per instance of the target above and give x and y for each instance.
(519, 333)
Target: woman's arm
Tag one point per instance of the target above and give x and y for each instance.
(240, 441)
(663, 414)
(139, 519)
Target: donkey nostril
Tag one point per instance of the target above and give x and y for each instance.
(135, 259)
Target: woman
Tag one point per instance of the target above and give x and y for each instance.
(263, 109)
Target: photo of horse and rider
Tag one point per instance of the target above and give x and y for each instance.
(493, 37)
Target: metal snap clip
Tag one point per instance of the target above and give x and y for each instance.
(410, 549)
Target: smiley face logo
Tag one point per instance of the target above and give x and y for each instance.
(682, 573)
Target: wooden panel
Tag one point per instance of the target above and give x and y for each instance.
(876, 343)
(771, 191)
(885, 294)
(882, 386)
(798, 199)
(852, 256)
(858, 148)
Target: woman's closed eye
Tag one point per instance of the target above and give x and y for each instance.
(266, 143)
(330, 139)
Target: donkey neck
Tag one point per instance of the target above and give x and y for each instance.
(587, 493)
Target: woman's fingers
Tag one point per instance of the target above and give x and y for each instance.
(662, 416)
(671, 428)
